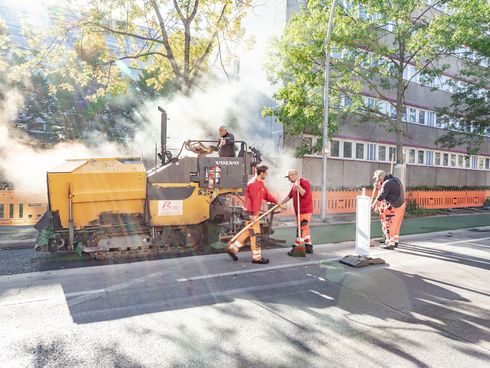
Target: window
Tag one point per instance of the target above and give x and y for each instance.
(445, 159)
(437, 160)
(439, 121)
(1, 210)
(460, 161)
(382, 153)
(360, 151)
(371, 103)
(481, 163)
(404, 113)
(347, 150)
(308, 140)
(487, 166)
(334, 149)
(21, 210)
(392, 157)
(383, 107)
(420, 157)
(453, 160)
(11, 210)
(413, 115)
(430, 118)
(411, 156)
(392, 112)
(422, 117)
(467, 162)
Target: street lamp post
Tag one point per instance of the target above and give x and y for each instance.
(323, 214)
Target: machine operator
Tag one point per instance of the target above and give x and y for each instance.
(226, 143)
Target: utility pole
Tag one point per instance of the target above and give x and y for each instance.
(323, 200)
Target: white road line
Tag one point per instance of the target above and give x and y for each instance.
(193, 298)
(264, 269)
(85, 292)
(467, 240)
(480, 245)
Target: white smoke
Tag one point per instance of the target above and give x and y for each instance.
(234, 103)
(24, 164)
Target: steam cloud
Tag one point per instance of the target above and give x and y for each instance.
(235, 103)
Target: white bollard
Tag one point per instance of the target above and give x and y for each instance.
(363, 224)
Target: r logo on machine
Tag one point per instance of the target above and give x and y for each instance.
(170, 208)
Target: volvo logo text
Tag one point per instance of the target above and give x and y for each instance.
(228, 163)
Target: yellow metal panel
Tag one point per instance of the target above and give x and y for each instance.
(189, 211)
(99, 185)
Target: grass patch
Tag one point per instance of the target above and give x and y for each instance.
(413, 210)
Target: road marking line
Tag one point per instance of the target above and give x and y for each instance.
(442, 257)
(85, 292)
(193, 298)
(467, 240)
(480, 245)
(270, 268)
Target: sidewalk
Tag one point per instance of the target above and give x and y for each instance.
(350, 218)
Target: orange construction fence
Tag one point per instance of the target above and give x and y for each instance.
(345, 201)
(20, 208)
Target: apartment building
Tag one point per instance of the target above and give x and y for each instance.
(358, 150)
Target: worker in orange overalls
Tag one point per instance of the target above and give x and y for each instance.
(255, 193)
(390, 203)
(302, 186)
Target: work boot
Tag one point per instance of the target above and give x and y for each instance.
(297, 251)
(309, 248)
(232, 255)
(388, 247)
(262, 260)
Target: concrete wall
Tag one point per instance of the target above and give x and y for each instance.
(349, 173)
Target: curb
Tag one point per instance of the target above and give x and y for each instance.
(17, 244)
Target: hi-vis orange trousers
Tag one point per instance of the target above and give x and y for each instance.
(242, 239)
(304, 220)
(391, 222)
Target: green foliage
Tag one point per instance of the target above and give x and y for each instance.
(101, 59)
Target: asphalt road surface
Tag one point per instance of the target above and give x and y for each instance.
(427, 307)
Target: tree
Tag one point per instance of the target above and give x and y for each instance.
(468, 115)
(375, 42)
(66, 87)
(171, 41)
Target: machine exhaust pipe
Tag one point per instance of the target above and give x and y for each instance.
(163, 136)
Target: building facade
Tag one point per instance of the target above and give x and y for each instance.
(358, 150)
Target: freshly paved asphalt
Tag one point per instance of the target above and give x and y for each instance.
(428, 307)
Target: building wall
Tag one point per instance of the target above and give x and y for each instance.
(417, 136)
(351, 173)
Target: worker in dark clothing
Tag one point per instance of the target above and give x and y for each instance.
(391, 206)
(226, 144)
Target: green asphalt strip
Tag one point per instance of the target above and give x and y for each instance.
(322, 234)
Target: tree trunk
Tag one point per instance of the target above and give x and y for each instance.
(187, 48)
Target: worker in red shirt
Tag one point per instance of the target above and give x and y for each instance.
(255, 193)
(302, 186)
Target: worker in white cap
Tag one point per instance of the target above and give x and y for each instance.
(302, 188)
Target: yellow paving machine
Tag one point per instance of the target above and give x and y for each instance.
(114, 207)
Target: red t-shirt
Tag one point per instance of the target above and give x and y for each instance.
(255, 193)
(305, 200)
